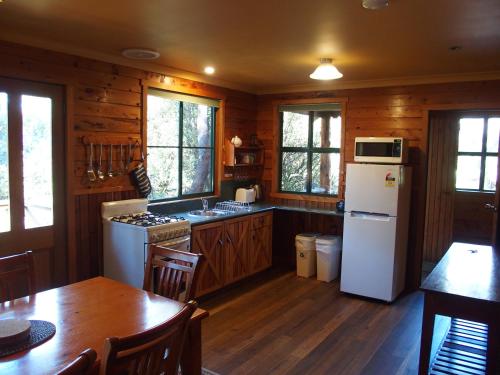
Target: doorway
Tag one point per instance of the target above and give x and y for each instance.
(461, 181)
(32, 176)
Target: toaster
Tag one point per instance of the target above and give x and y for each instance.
(245, 195)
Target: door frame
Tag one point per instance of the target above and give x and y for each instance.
(426, 109)
(57, 235)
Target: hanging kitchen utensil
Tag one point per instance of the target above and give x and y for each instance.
(90, 169)
(100, 173)
(111, 173)
(129, 157)
(140, 178)
(121, 168)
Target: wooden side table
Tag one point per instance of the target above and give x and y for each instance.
(464, 284)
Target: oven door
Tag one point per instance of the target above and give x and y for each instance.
(179, 243)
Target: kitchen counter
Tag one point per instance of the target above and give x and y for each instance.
(256, 208)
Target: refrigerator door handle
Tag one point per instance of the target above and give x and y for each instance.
(370, 216)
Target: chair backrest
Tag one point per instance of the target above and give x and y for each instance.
(17, 276)
(171, 272)
(84, 364)
(154, 351)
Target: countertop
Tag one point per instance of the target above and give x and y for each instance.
(254, 209)
(467, 270)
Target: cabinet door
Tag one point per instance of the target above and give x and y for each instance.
(260, 253)
(236, 243)
(208, 240)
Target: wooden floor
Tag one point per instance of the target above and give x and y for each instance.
(281, 324)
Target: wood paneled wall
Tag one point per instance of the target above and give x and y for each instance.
(104, 101)
(391, 111)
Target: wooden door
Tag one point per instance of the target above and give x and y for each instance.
(208, 240)
(495, 235)
(236, 243)
(32, 176)
(440, 206)
(260, 252)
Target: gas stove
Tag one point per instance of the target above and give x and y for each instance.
(146, 219)
(129, 229)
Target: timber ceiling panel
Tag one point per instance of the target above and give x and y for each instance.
(273, 45)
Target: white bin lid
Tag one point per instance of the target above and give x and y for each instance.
(327, 239)
(307, 237)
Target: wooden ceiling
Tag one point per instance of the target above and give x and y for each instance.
(273, 45)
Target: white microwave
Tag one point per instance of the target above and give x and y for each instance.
(388, 150)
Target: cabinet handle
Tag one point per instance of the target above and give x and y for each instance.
(220, 242)
(229, 240)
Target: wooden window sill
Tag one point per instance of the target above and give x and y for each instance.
(305, 197)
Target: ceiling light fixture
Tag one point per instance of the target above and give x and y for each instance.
(374, 4)
(209, 70)
(140, 54)
(326, 70)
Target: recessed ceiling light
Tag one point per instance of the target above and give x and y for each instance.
(326, 71)
(140, 54)
(375, 4)
(209, 70)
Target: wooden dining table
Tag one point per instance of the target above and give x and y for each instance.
(87, 312)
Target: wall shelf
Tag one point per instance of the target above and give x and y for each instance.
(244, 162)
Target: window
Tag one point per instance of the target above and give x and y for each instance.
(477, 153)
(180, 145)
(310, 149)
(35, 118)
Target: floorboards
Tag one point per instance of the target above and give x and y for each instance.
(280, 324)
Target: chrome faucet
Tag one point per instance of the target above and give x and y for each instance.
(204, 203)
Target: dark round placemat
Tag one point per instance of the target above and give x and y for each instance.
(41, 331)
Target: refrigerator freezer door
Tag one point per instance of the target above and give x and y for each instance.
(373, 188)
(368, 255)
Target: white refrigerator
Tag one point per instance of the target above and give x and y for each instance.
(377, 205)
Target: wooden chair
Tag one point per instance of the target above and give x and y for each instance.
(17, 276)
(170, 272)
(155, 351)
(84, 364)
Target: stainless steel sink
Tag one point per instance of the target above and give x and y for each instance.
(207, 213)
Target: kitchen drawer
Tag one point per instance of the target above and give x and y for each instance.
(262, 220)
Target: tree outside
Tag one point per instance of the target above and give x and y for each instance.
(324, 171)
(165, 147)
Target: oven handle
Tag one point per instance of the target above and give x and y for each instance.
(174, 242)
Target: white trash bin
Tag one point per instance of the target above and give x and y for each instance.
(328, 257)
(305, 246)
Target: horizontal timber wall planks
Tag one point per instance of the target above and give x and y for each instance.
(386, 111)
(106, 101)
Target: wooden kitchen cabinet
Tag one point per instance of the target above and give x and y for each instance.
(236, 246)
(208, 240)
(261, 254)
(233, 250)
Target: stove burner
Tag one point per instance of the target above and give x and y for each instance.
(146, 219)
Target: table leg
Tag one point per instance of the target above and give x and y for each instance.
(191, 355)
(427, 333)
